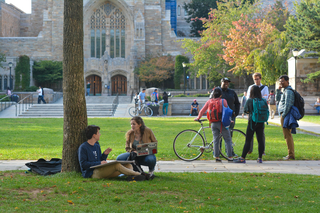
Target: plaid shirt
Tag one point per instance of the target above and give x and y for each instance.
(286, 100)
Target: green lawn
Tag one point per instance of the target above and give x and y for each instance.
(168, 192)
(36, 138)
(311, 118)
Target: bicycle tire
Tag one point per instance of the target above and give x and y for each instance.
(133, 111)
(187, 143)
(148, 111)
(238, 141)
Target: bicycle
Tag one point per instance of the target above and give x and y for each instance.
(134, 110)
(189, 144)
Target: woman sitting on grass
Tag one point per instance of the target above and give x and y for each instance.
(139, 134)
(252, 127)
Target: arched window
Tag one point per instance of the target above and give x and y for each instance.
(1, 82)
(179, 10)
(185, 12)
(108, 22)
(5, 82)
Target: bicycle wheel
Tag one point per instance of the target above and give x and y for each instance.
(133, 111)
(238, 141)
(187, 145)
(148, 111)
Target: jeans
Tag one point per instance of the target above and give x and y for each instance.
(318, 109)
(215, 127)
(40, 98)
(88, 91)
(147, 160)
(165, 106)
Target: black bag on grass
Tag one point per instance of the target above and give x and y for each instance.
(43, 167)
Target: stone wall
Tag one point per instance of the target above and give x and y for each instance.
(304, 67)
(10, 20)
(25, 25)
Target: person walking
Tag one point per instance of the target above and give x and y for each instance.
(253, 127)
(88, 88)
(165, 103)
(272, 104)
(41, 95)
(233, 102)
(286, 101)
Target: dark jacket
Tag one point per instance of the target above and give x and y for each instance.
(290, 121)
(232, 100)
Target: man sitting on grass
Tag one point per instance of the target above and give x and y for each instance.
(89, 154)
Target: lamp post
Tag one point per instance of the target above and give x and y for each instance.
(184, 77)
(295, 53)
(10, 65)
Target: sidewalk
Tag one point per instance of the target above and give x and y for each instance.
(290, 167)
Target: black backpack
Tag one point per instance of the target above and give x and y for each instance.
(299, 103)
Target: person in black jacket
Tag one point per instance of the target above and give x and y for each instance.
(232, 100)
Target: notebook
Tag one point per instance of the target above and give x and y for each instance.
(147, 149)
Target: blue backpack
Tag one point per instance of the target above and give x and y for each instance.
(226, 115)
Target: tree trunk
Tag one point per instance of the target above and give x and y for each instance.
(74, 103)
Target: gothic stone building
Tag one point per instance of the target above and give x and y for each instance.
(117, 34)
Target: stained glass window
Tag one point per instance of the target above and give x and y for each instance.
(100, 29)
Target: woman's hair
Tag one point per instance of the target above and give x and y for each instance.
(8, 88)
(139, 121)
(164, 93)
(255, 92)
(217, 92)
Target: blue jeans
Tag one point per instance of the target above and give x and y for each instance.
(88, 91)
(40, 98)
(165, 106)
(318, 109)
(148, 160)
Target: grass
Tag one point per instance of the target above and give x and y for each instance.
(31, 139)
(168, 192)
(311, 118)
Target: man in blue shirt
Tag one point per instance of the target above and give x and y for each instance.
(89, 154)
(142, 98)
(194, 107)
(286, 101)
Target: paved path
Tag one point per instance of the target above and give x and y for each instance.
(291, 167)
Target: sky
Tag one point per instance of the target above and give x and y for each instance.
(24, 5)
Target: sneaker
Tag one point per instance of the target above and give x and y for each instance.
(218, 160)
(288, 158)
(136, 178)
(259, 160)
(190, 115)
(230, 159)
(239, 160)
(235, 155)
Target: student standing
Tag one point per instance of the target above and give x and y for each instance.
(272, 104)
(165, 104)
(253, 127)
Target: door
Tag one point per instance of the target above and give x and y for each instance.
(119, 85)
(95, 84)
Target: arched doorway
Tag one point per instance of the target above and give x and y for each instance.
(95, 84)
(119, 85)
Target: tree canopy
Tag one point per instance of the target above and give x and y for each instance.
(45, 72)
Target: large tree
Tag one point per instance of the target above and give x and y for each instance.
(75, 112)
(303, 29)
(47, 72)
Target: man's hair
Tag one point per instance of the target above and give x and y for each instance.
(255, 92)
(155, 89)
(91, 130)
(217, 92)
(256, 74)
(285, 77)
(272, 91)
(143, 89)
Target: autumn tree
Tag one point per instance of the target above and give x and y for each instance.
(208, 51)
(74, 103)
(303, 30)
(277, 15)
(156, 69)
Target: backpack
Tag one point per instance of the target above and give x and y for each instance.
(260, 112)
(299, 103)
(153, 97)
(226, 116)
(214, 112)
(272, 99)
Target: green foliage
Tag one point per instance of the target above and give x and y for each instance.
(278, 15)
(31, 89)
(272, 61)
(303, 30)
(22, 69)
(178, 70)
(46, 72)
(2, 59)
(196, 10)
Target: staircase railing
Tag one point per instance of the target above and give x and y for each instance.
(24, 104)
(115, 104)
(5, 103)
(56, 96)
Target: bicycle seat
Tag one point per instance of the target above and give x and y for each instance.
(202, 120)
